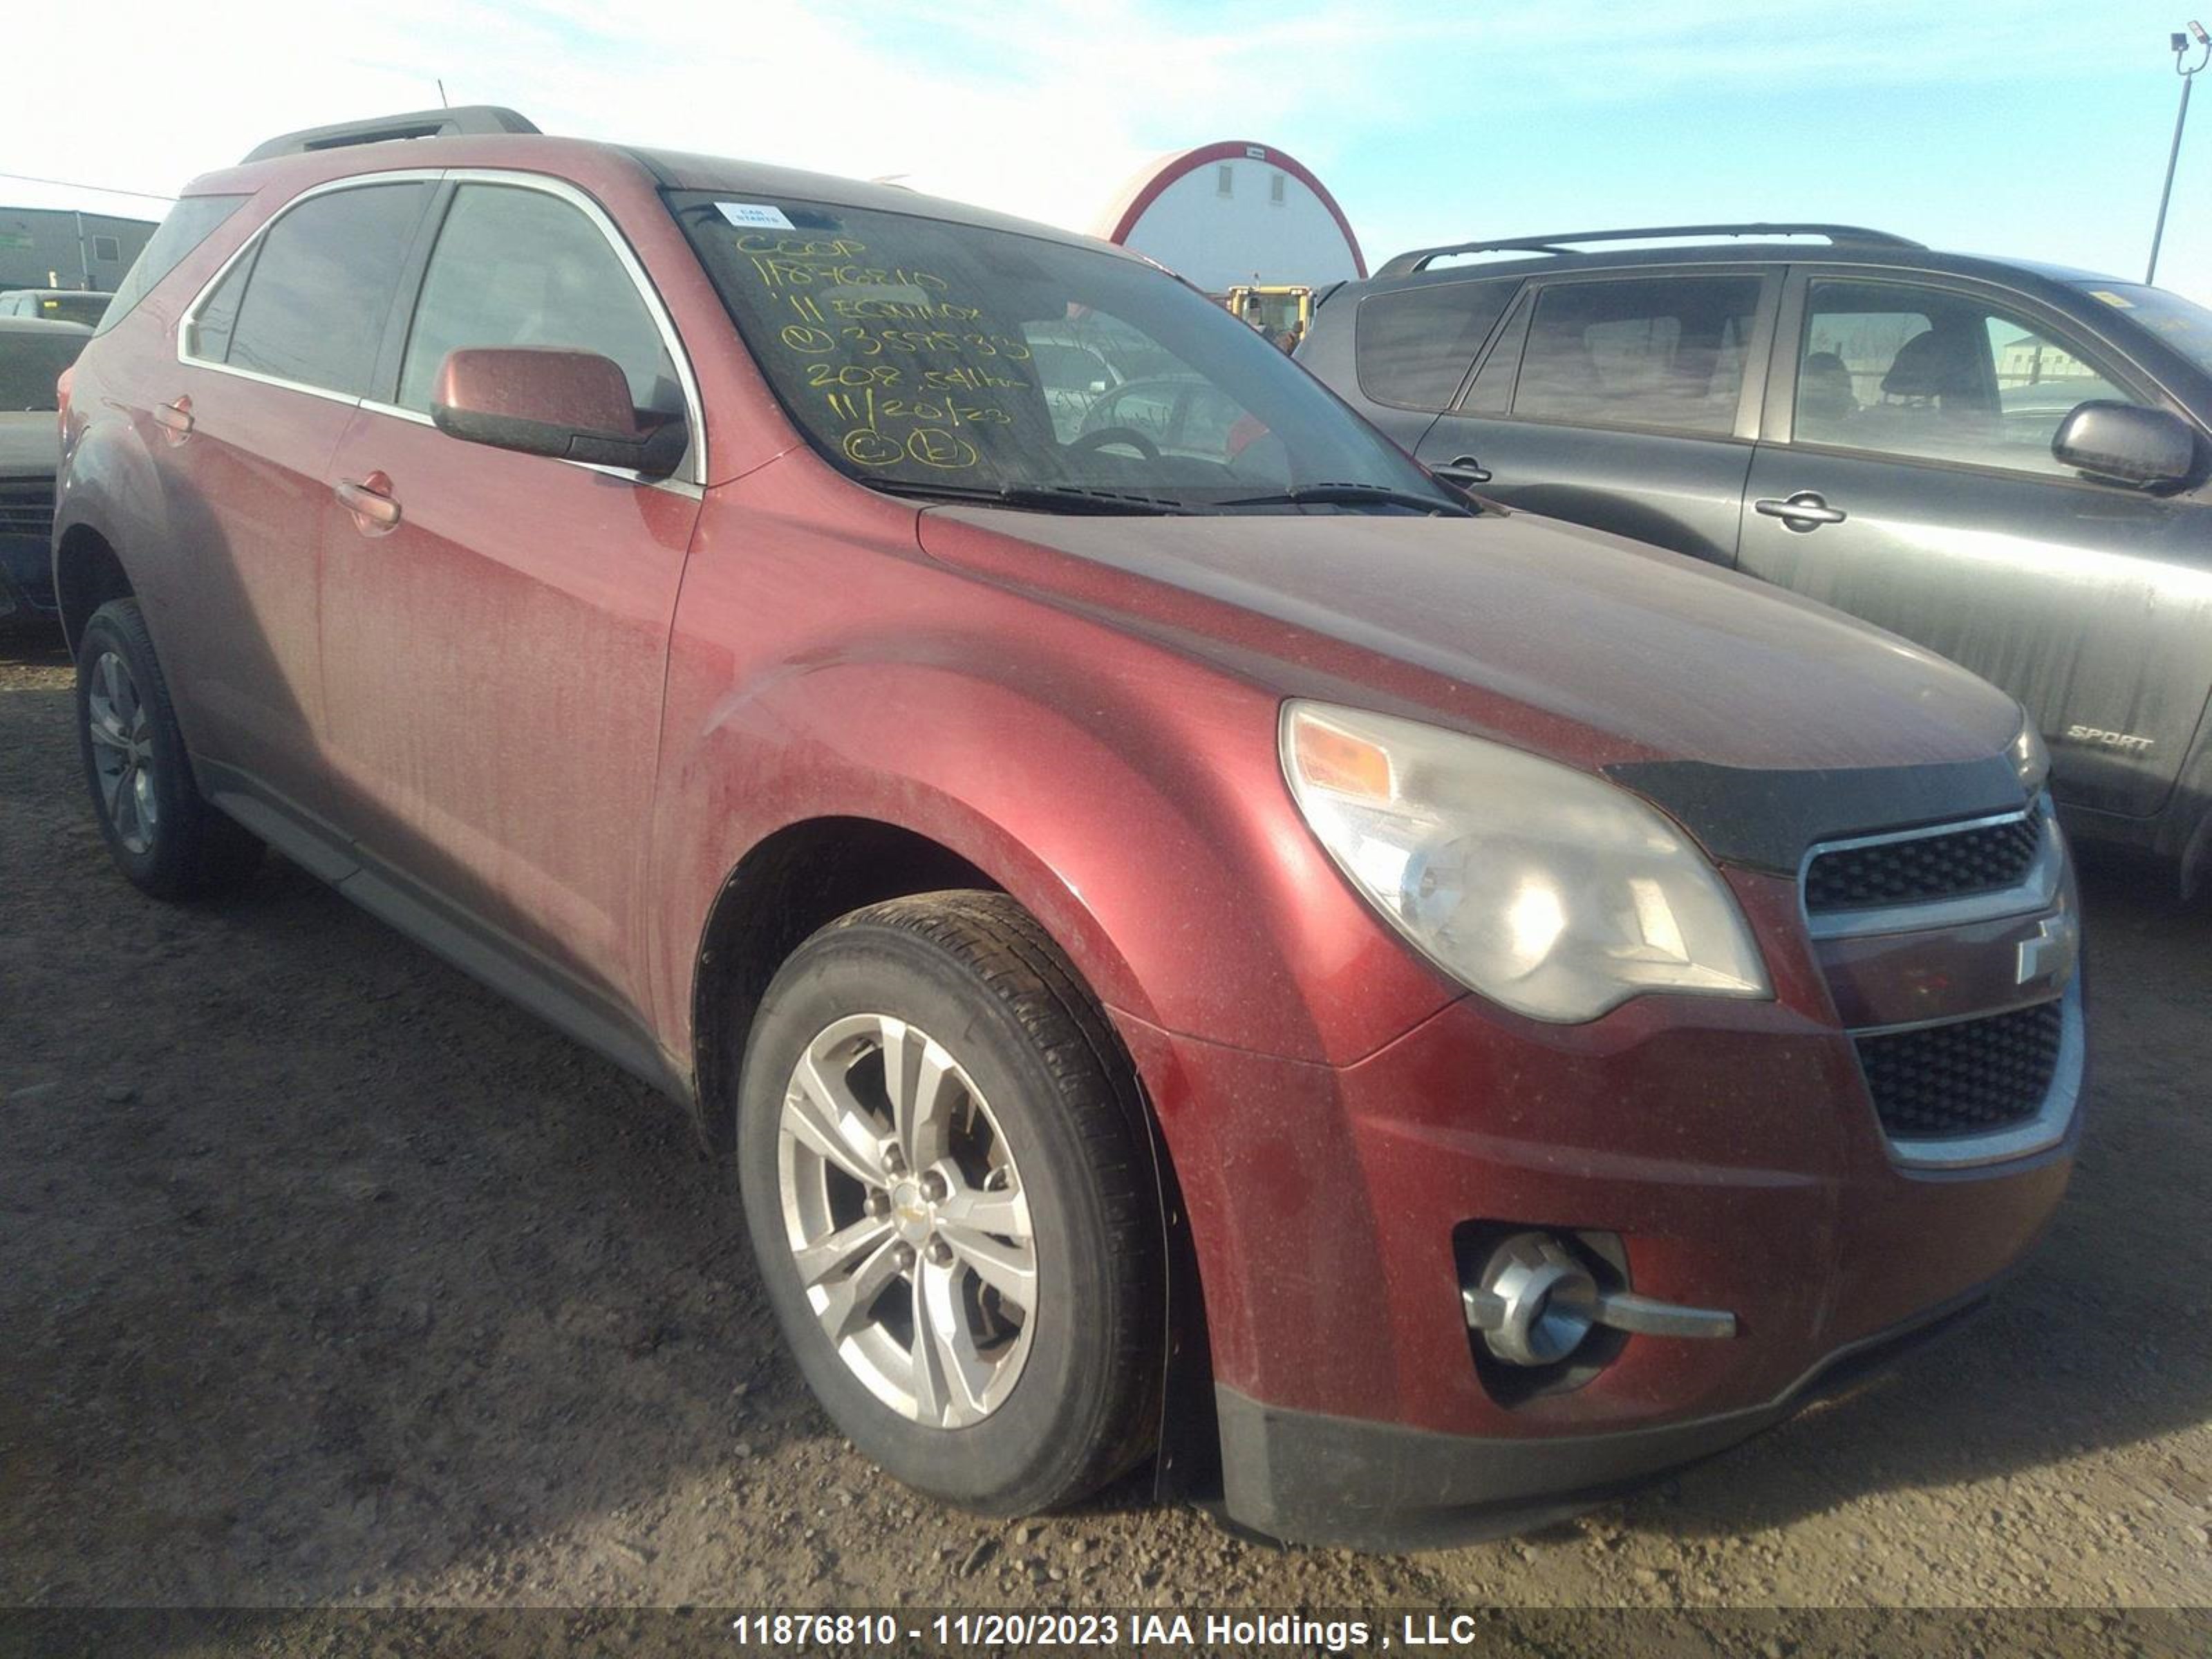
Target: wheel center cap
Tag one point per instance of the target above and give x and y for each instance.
(910, 1212)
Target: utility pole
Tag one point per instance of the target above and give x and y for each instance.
(2187, 80)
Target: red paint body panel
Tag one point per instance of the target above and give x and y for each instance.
(1130, 797)
(1730, 1145)
(1936, 973)
(537, 598)
(240, 501)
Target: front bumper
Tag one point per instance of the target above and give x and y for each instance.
(1731, 1147)
(1358, 1485)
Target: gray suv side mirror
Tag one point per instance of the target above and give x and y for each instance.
(2122, 443)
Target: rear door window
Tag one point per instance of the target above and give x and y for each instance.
(515, 267)
(1414, 345)
(315, 307)
(189, 223)
(1663, 351)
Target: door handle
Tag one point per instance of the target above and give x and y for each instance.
(1462, 470)
(175, 419)
(1803, 512)
(369, 500)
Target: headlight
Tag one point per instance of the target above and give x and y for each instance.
(1547, 890)
(2029, 758)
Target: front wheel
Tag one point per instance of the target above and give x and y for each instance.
(948, 1188)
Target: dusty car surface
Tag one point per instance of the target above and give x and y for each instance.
(1444, 1011)
(33, 356)
(2009, 463)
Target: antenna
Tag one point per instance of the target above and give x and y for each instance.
(444, 102)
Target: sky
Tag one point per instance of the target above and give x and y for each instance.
(2035, 130)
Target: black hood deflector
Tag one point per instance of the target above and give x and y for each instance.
(1766, 818)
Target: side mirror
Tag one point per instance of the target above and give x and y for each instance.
(2123, 443)
(573, 405)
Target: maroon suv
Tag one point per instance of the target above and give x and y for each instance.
(1194, 932)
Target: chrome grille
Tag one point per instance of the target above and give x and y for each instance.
(1923, 869)
(1969, 1078)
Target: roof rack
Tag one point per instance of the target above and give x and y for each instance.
(468, 118)
(1842, 235)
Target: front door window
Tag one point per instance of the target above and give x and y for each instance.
(1929, 373)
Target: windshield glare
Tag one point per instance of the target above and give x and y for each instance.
(2185, 326)
(924, 354)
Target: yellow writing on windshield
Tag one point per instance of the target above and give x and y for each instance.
(908, 369)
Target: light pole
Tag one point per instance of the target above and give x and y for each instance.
(2188, 79)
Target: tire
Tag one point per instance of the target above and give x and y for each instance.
(162, 834)
(971, 990)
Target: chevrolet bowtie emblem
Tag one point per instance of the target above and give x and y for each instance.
(2051, 954)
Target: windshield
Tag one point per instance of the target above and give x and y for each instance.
(2185, 326)
(31, 363)
(927, 356)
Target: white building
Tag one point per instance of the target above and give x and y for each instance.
(1234, 212)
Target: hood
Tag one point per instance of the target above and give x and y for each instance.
(30, 442)
(1664, 655)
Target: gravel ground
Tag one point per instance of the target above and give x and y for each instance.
(326, 1277)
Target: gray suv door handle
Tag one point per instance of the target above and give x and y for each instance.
(1807, 510)
(1462, 470)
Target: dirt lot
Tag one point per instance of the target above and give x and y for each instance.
(327, 1277)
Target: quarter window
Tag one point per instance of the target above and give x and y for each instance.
(1414, 345)
(1655, 352)
(1929, 373)
(518, 267)
(315, 307)
(188, 225)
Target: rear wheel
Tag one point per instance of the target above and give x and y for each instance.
(162, 835)
(948, 1189)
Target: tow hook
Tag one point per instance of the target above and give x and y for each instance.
(1535, 1303)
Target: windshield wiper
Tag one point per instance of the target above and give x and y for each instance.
(1064, 498)
(1355, 495)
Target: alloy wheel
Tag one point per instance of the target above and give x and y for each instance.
(907, 1221)
(122, 753)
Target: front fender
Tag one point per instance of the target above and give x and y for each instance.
(1131, 797)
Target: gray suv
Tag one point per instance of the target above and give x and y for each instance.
(2005, 462)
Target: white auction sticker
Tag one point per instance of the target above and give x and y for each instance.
(754, 216)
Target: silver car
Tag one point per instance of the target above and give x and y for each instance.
(32, 355)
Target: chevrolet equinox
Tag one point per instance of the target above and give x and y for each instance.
(1225, 946)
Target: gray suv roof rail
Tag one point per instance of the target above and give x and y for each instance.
(1420, 257)
(468, 118)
